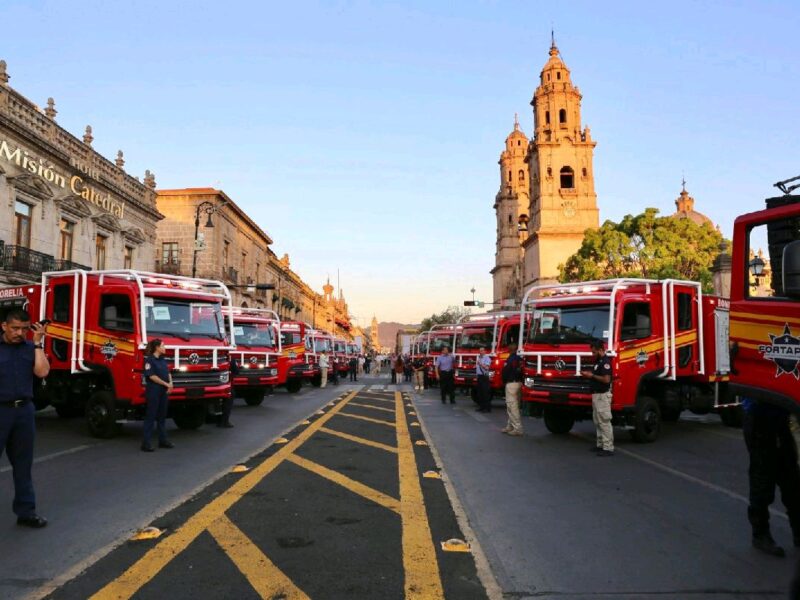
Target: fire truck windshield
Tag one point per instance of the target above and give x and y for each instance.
(291, 338)
(183, 318)
(339, 347)
(569, 325)
(254, 335)
(474, 338)
(438, 342)
(322, 345)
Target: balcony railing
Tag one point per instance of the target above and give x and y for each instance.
(63, 264)
(230, 274)
(25, 260)
(168, 267)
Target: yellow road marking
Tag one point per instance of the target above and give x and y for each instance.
(370, 419)
(265, 578)
(389, 410)
(422, 578)
(149, 565)
(359, 440)
(351, 484)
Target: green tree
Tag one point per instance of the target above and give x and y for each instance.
(648, 246)
(449, 315)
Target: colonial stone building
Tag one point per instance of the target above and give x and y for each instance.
(63, 205)
(206, 234)
(559, 174)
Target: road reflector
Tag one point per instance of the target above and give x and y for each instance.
(420, 443)
(281, 440)
(412, 413)
(456, 545)
(320, 412)
(148, 533)
(415, 424)
(431, 475)
(240, 469)
(306, 422)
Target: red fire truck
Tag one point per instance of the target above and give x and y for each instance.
(765, 319)
(318, 342)
(262, 364)
(668, 342)
(293, 347)
(436, 339)
(495, 331)
(100, 324)
(340, 357)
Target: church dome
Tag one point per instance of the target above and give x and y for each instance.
(685, 209)
(554, 70)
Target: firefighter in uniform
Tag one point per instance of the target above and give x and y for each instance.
(158, 383)
(601, 375)
(773, 461)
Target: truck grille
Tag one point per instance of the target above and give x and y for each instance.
(198, 379)
(561, 386)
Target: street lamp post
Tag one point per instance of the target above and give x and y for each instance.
(208, 208)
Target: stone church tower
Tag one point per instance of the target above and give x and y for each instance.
(511, 202)
(560, 155)
(373, 334)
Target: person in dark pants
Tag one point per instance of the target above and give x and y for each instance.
(20, 361)
(773, 462)
(158, 383)
(391, 369)
(484, 393)
(445, 364)
(352, 364)
(227, 404)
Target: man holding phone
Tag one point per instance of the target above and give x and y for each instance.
(20, 361)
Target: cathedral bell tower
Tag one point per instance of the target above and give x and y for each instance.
(563, 203)
(511, 202)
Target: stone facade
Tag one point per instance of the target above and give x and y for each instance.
(63, 205)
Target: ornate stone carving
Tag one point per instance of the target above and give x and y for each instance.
(120, 161)
(150, 179)
(3, 74)
(30, 184)
(88, 138)
(75, 205)
(134, 235)
(107, 221)
(51, 111)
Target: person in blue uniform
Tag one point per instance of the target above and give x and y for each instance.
(20, 361)
(158, 383)
(483, 365)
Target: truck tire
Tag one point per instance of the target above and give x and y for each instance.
(254, 397)
(293, 385)
(558, 420)
(317, 381)
(101, 415)
(190, 417)
(647, 424)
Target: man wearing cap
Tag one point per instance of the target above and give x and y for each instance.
(600, 376)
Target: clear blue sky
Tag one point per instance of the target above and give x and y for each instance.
(364, 136)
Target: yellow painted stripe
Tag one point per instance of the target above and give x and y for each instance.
(755, 332)
(683, 339)
(422, 578)
(745, 316)
(359, 440)
(267, 580)
(370, 419)
(389, 410)
(91, 337)
(349, 484)
(149, 565)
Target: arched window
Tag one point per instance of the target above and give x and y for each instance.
(548, 77)
(567, 178)
(509, 175)
(558, 75)
(549, 172)
(521, 176)
(510, 220)
(562, 116)
(518, 143)
(547, 117)
(583, 172)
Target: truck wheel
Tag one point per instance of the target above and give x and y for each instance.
(670, 415)
(293, 385)
(558, 420)
(254, 397)
(190, 417)
(317, 381)
(101, 415)
(648, 420)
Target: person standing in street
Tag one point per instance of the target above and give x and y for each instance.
(483, 390)
(444, 373)
(367, 364)
(512, 378)
(323, 368)
(20, 361)
(418, 365)
(773, 462)
(601, 376)
(399, 368)
(362, 365)
(227, 405)
(352, 366)
(158, 383)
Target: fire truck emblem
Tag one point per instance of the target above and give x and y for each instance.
(560, 364)
(194, 358)
(641, 358)
(784, 351)
(108, 350)
(253, 360)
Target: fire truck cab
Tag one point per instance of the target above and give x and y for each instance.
(259, 356)
(318, 342)
(100, 324)
(437, 338)
(340, 357)
(293, 347)
(668, 342)
(492, 331)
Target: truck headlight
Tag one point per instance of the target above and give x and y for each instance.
(529, 382)
(491, 374)
(224, 377)
(273, 372)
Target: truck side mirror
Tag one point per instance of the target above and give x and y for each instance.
(791, 269)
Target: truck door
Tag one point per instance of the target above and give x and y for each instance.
(638, 348)
(60, 332)
(687, 339)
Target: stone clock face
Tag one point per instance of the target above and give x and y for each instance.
(569, 208)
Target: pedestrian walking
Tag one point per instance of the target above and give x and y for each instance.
(367, 364)
(512, 378)
(20, 361)
(408, 370)
(323, 369)
(399, 368)
(392, 361)
(444, 373)
(773, 462)
(418, 365)
(362, 365)
(224, 420)
(352, 365)
(158, 383)
(483, 390)
(601, 376)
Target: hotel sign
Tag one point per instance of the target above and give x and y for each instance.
(37, 166)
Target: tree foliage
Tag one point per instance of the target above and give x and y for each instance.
(449, 315)
(648, 246)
